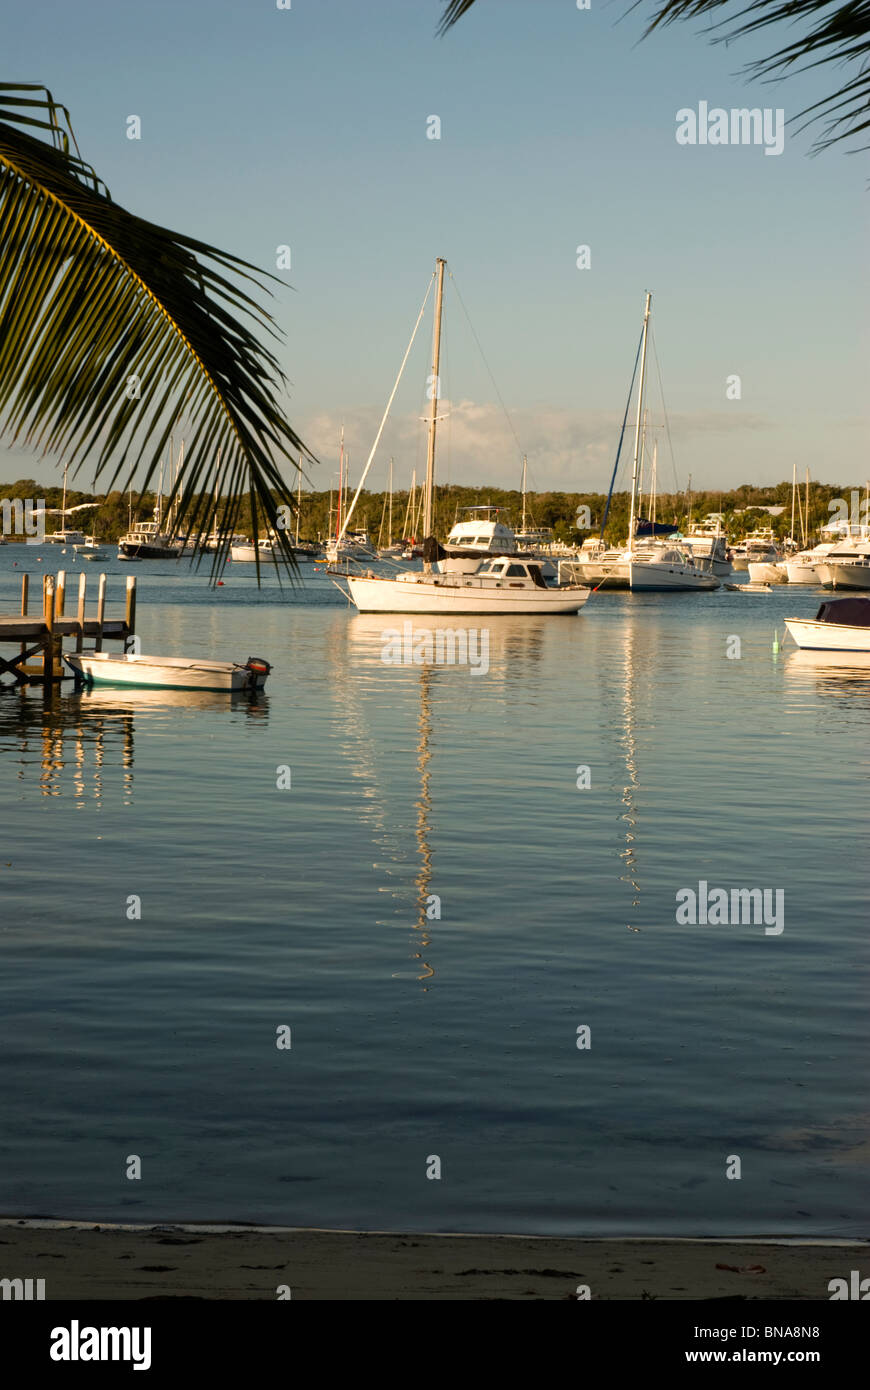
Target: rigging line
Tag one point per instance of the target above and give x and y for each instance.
(350, 509)
(665, 412)
(621, 437)
(485, 363)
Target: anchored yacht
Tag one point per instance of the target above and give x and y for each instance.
(847, 567)
(509, 585)
(506, 584)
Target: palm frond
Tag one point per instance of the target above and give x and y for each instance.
(830, 33)
(112, 328)
(455, 10)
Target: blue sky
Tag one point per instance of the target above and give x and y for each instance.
(307, 127)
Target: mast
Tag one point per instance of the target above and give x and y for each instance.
(63, 503)
(640, 469)
(631, 519)
(523, 526)
(807, 508)
(179, 463)
(390, 526)
(158, 510)
(433, 415)
(412, 502)
(794, 488)
(340, 477)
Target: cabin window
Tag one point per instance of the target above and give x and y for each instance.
(516, 572)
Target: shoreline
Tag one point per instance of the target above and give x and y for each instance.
(219, 1261)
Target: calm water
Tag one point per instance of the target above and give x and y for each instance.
(455, 1037)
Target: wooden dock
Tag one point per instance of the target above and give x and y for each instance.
(41, 635)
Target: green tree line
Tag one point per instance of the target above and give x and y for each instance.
(555, 510)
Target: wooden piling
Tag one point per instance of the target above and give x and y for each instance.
(80, 634)
(101, 612)
(48, 638)
(25, 590)
(60, 593)
(130, 611)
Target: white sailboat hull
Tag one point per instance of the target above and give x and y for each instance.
(812, 635)
(164, 672)
(459, 595)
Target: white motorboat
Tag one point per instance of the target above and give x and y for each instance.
(757, 548)
(847, 567)
(662, 567)
(248, 553)
(167, 672)
(709, 545)
(840, 625)
(89, 550)
(803, 568)
(768, 571)
(65, 538)
(510, 585)
(470, 542)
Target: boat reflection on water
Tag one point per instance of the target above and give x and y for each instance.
(81, 743)
(833, 673)
(423, 807)
(501, 647)
(628, 743)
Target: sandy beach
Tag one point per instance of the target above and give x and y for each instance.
(84, 1261)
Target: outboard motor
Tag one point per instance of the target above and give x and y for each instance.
(256, 667)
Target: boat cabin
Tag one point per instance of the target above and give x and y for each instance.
(514, 574)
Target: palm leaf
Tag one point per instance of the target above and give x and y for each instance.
(838, 34)
(94, 298)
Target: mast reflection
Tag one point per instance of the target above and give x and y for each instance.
(628, 742)
(423, 808)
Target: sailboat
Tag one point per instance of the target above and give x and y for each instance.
(346, 545)
(643, 565)
(393, 549)
(509, 584)
(64, 536)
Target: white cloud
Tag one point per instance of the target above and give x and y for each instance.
(567, 449)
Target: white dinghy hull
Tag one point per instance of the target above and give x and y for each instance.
(811, 635)
(167, 672)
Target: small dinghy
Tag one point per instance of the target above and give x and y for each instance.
(749, 588)
(841, 625)
(167, 672)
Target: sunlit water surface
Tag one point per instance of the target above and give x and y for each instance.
(416, 1036)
